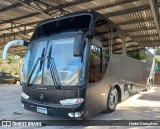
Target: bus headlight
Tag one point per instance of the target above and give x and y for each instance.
(72, 101)
(25, 96)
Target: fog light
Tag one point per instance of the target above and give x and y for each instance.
(25, 96)
(75, 114)
(78, 114)
(72, 101)
(71, 114)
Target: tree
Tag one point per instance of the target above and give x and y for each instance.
(157, 60)
(11, 65)
(137, 54)
(158, 51)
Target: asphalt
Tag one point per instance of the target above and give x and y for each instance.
(142, 106)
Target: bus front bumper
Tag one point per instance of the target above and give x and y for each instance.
(49, 109)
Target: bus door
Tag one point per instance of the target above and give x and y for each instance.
(96, 94)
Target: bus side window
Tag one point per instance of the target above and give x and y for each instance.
(105, 60)
(95, 69)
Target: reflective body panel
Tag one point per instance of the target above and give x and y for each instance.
(127, 73)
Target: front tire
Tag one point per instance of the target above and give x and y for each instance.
(112, 100)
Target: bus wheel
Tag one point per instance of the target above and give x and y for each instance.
(112, 100)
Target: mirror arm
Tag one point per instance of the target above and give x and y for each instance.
(11, 43)
(25, 43)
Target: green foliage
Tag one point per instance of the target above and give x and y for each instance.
(9, 60)
(137, 54)
(1, 61)
(3, 70)
(11, 65)
(12, 59)
(157, 60)
(158, 51)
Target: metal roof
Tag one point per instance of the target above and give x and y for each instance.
(138, 18)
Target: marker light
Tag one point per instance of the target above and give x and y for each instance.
(72, 101)
(25, 96)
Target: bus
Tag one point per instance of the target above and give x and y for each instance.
(70, 66)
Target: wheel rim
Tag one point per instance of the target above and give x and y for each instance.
(113, 99)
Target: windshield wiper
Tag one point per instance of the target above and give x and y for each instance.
(52, 67)
(41, 59)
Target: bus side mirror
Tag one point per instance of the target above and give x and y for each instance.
(78, 44)
(13, 43)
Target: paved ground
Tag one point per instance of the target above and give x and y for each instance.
(142, 106)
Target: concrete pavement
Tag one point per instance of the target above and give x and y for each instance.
(142, 106)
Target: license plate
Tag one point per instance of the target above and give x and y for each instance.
(42, 110)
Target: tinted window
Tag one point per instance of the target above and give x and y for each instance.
(105, 61)
(95, 69)
(76, 23)
(59, 63)
(69, 68)
(33, 53)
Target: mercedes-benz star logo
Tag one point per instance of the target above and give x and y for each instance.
(41, 97)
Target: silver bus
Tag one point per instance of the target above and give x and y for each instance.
(70, 66)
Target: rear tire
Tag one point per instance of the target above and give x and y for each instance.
(112, 100)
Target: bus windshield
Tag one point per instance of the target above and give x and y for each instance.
(51, 62)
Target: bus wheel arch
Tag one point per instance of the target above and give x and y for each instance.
(119, 93)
